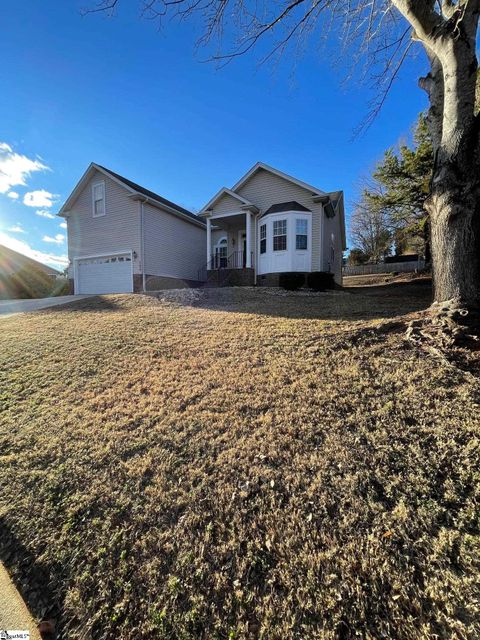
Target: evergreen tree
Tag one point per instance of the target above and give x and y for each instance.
(402, 180)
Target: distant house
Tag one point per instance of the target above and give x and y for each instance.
(123, 237)
(269, 223)
(23, 277)
(11, 262)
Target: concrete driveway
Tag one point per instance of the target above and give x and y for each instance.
(14, 614)
(12, 307)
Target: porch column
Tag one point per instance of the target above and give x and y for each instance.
(248, 231)
(209, 242)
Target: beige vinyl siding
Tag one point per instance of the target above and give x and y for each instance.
(118, 230)
(264, 189)
(226, 204)
(174, 247)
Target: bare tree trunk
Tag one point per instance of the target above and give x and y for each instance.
(454, 201)
(454, 208)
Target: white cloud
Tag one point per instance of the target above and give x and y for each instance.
(13, 195)
(39, 198)
(58, 239)
(58, 262)
(45, 214)
(15, 168)
(16, 229)
(63, 225)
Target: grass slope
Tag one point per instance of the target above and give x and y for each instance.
(244, 464)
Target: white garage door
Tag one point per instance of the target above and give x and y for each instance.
(105, 274)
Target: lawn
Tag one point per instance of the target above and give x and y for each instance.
(239, 464)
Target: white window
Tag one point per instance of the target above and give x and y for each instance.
(279, 235)
(301, 234)
(98, 199)
(263, 238)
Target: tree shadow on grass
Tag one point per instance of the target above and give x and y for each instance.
(33, 579)
(352, 303)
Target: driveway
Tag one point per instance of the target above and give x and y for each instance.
(12, 307)
(14, 614)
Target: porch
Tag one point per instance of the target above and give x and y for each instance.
(230, 249)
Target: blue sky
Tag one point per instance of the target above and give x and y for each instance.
(121, 92)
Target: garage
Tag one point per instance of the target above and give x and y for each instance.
(104, 274)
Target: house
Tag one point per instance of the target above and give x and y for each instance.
(269, 223)
(123, 237)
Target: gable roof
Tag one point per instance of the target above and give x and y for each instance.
(224, 191)
(132, 187)
(285, 206)
(261, 165)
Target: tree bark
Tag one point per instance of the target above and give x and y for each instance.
(454, 201)
(454, 208)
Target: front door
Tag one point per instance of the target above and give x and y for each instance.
(242, 249)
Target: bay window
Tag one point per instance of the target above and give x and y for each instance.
(263, 238)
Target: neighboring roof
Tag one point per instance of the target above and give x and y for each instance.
(132, 187)
(11, 262)
(225, 192)
(285, 206)
(261, 165)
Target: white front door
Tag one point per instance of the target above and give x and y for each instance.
(104, 274)
(242, 249)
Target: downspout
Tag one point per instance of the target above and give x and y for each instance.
(322, 238)
(142, 245)
(257, 250)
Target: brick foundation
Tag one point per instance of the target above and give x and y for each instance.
(271, 279)
(231, 278)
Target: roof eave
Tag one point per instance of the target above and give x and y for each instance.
(80, 184)
(280, 174)
(221, 192)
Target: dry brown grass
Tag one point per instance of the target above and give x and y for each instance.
(242, 465)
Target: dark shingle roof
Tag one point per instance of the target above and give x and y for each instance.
(153, 195)
(285, 206)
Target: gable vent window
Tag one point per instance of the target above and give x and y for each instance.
(301, 239)
(98, 199)
(263, 238)
(280, 235)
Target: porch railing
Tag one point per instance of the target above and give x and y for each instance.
(236, 260)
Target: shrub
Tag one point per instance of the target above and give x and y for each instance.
(61, 287)
(291, 280)
(320, 280)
